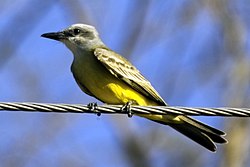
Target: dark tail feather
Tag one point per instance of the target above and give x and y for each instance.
(199, 132)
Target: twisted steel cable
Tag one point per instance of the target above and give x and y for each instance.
(117, 109)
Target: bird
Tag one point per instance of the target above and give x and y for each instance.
(104, 74)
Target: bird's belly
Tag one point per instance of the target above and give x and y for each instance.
(106, 87)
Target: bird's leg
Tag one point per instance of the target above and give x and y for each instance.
(127, 108)
(93, 107)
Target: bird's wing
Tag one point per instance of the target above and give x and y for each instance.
(124, 70)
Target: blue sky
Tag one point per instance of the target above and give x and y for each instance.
(182, 47)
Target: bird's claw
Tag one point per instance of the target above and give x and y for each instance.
(93, 107)
(127, 108)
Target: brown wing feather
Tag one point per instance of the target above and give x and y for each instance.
(124, 70)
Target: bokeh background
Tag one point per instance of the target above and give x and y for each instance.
(195, 53)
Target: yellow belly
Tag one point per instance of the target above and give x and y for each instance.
(93, 76)
(117, 92)
(102, 84)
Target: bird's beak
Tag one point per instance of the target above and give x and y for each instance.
(55, 35)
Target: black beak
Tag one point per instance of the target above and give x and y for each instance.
(54, 35)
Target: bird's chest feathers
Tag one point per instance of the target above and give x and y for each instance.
(91, 74)
(88, 71)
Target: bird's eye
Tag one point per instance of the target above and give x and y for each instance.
(77, 31)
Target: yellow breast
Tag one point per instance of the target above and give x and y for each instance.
(105, 86)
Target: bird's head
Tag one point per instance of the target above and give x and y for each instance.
(77, 36)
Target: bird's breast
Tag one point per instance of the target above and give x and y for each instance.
(93, 76)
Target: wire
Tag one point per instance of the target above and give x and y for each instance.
(118, 109)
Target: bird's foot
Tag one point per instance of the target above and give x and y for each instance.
(93, 108)
(127, 108)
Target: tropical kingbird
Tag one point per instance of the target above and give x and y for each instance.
(109, 77)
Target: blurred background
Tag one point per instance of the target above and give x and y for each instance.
(195, 53)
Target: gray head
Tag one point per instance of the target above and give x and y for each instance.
(77, 36)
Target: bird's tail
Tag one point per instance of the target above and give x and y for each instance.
(199, 132)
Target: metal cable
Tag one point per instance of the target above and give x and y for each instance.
(117, 109)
